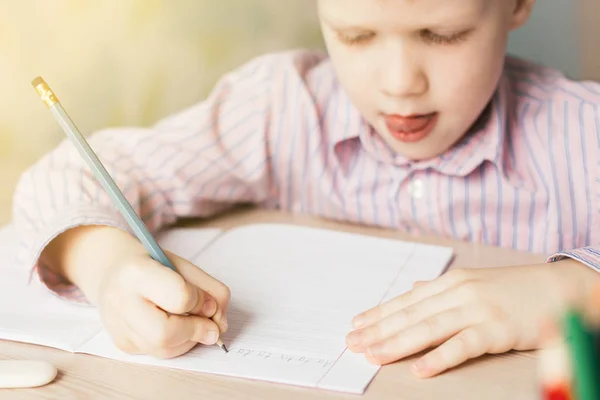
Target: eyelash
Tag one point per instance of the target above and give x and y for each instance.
(428, 36)
(355, 40)
(434, 38)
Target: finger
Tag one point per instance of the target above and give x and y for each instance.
(193, 328)
(169, 290)
(171, 352)
(427, 333)
(215, 288)
(144, 345)
(465, 345)
(133, 324)
(113, 313)
(126, 345)
(177, 351)
(163, 331)
(393, 324)
(417, 294)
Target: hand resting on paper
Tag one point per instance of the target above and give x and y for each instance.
(467, 313)
(135, 294)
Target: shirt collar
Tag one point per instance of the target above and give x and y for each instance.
(485, 141)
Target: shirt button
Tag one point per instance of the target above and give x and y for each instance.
(416, 188)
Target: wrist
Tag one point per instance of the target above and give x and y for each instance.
(574, 279)
(83, 255)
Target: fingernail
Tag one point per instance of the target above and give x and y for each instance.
(210, 307)
(420, 367)
(354, 338)
(375, 350)
(211, 337)
(224, 321)
(359, 321)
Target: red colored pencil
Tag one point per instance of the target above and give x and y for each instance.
(554, 366)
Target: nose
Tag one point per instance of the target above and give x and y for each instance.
(402, 74)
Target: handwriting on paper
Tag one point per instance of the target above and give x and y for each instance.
(286, 358)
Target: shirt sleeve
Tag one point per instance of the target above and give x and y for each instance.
(195, 163)
(590, 254)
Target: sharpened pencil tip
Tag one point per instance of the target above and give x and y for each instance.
(225, 348)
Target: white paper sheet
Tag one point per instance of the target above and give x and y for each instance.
(294, 293)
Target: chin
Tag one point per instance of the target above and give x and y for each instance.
(419, 151)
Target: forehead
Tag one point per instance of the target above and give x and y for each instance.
(394, 12)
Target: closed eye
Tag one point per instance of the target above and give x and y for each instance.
(435, 38)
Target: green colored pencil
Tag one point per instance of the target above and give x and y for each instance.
(580, 341)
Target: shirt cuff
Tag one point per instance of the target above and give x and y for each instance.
(586, 255)
(29, 253)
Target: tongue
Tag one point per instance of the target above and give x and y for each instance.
(407, 125)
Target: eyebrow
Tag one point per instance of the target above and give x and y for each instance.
(339, 25)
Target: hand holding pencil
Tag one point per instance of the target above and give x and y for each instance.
(150, 302)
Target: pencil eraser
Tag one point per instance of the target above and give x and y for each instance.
(15, 374)
(37, 81)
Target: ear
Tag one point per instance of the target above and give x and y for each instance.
(521, 13)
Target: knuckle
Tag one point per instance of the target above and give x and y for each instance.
(398, 319)
(183, 296)
(497, 314)
(432, 325)
(222, 294)
(469, 290)
(412, 295)
(468, 340)
(408, 315)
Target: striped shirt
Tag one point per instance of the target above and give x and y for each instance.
(280, 132)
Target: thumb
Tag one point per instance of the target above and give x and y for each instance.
(171, 292)
(210, 288)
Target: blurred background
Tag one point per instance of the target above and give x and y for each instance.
(132, 62)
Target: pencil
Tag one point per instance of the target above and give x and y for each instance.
(583, 357)
(102, 175)
(554, 366)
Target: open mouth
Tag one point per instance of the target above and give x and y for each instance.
(412, 128)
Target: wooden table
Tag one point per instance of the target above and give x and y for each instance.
(509, 376)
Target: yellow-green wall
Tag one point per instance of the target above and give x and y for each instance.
(125, 62)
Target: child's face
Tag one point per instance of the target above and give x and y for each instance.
(435, 61)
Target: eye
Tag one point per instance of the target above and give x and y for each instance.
(434, 38)
(355, 39)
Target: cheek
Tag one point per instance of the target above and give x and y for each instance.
(355, 77)
(350, 67)
(469, 75)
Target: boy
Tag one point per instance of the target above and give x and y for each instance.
(415, 121)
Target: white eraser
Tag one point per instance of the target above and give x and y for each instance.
(25, 374)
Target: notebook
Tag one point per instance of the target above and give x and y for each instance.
(294, 293)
